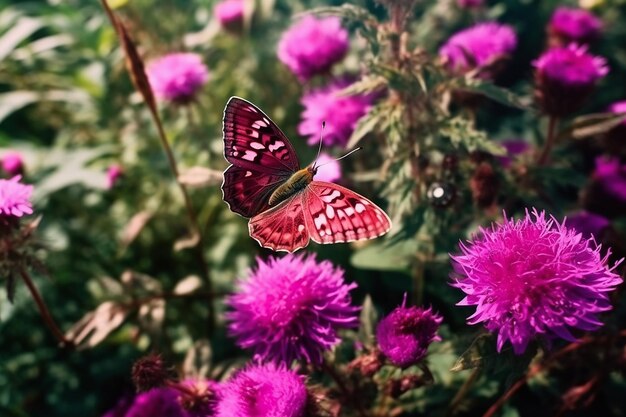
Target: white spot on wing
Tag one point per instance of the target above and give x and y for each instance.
(300, 227)
(350, 211)
(276, 145)
(360, 208)
(257, 145)
(320, 221)
(249, 155)
(330, 197)
(330, 212)
(248, 173)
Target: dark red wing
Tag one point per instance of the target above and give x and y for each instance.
(336, 214)
(283, 227)
(253, 142)
(247, 192)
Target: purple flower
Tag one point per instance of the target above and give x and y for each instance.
(12, 163)
(114, 173)
(177, 77)
(162, 402)
(574, 25)
(121, 408)
(533, 277)
(565, 76)
(611, 175)
(469, 4)
(589, 224)
(291, 308)
(405, 334)
(514, 148)
(15, 198)
(263, 391)
(619, 107)
(329, 168)
(478, 47)
(341, 113)
(312, 46)
(230, 14)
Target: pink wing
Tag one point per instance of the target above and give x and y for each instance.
(281, 228)
(324, 212)
(335, 214)
(262, 157)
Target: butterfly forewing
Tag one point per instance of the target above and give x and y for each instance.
(247, 192)
(335, 214)
(252, 141)
(281, 228)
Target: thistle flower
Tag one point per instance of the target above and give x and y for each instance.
(230, 14)
(114, 173)
(12, 163)
(514, 148)
(533, 277)
(312, 46)
(177, 77)
(587, 223)
(291, 308)
(341, 113)
(199, 397)
(162, 402)
(479, 47)
(263, 391)
(573, 25)
(564, 77)
(405, 334)
(330, 169)
(15, 198)
(619, 107)
(469, 4)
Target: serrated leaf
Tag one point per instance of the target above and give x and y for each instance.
(462, 133)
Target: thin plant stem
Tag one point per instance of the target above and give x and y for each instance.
(347, 393)
(462, 392)
(550, 139)
(43, 310)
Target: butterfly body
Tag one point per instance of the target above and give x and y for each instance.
(286, 206)
(296, 183)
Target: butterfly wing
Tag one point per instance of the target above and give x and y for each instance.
(283, 227)
(262, 157)
(336, 214)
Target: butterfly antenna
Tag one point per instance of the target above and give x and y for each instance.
(341, 157)
(319, 149)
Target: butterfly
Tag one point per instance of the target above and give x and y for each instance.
(286, 206)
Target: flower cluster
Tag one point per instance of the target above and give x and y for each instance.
(263, 390)
(573, 25)
(340, 112)
(478, 47)
(533, 277)
(291, 308)
(312, 46)
(177, 77)
(405, 334)
(565, 76)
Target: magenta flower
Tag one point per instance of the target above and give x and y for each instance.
(15, 198)
(619, 107)
(329, 169)
(514, 148)
(263, 391)
(611, 175)
(162, 402)
(405, 334)
(574, 25)
(114, 173)
(312, 46)
(291, 308)
(469, 4)
(177, 77)
(479, 46)
(230, 14)
(341, 113)
(587, 223)
(565, 76)
(12, 163)
(533, 277)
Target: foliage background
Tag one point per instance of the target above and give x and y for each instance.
(67, 103)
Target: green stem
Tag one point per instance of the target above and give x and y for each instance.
(462, 392)
(550, 139)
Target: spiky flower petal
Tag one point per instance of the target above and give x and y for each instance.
(533, 277)
(15, 198)
(291, 308)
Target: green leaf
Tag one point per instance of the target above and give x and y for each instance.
(368, 320)
(365, 125)
(19, 31)
(499, 94)
(462, 132)
(592, 125)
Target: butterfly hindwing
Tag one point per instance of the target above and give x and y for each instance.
(336, 214)
(283, 227)
(252, 141)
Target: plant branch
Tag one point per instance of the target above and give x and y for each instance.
(462, 392)
(550, 139)
(43, 310)
(347, 393)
